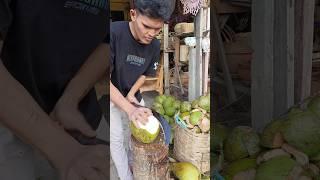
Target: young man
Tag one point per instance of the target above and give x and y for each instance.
(53, 54)
(134, 55)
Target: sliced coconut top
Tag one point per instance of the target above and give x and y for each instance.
(151, 126)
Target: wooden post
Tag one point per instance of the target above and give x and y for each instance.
(166, 59)
(177, 78)
(206, 59)
(262, 63)
(192, 74)
(222, 57)
(283, 56)
(195, 62)
(304, 16)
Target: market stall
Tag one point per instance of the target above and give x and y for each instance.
(180, 95)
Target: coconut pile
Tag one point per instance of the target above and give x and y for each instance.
(287, 149)
(195, 114)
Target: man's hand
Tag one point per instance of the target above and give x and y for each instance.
(90, 163)
(70, 118)
(139, 114)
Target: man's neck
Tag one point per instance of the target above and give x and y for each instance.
(133, 32)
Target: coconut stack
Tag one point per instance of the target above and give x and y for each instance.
(196, 114)
(167, 106)
(288, 148)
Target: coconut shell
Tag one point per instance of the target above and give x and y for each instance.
(271, 136)
(301, 131)
(238, 167)
(277, 168)
(242, 142)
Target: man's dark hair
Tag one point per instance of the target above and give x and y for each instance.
(157, 9)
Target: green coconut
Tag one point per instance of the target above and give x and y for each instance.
(171, 121)
(176, 104)
(204, 103)
(277, 168)
(146, 133)
(156, 105)
(301, 131)
(184, 115)
(314, 105)
(220, 134)
(271, 136)
(195, 118)
(169, 111)
(185, 106)
(195, 104)
(159, 110)
(185, 171)
(238, 166)
(166, 118)
(160, 99)
(241, 143)
(170, 98)
(168, 102)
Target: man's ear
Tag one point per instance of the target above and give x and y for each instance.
(133, 14)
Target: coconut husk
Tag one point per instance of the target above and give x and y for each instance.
(271, 154)
(299, 156)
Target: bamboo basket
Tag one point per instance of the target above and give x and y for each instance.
(193, 148)
(150, 161)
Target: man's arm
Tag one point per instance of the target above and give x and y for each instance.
(134, 113)
(21, 114)
(25, 118)
(93, 70)
(66, 110)
(137, 85)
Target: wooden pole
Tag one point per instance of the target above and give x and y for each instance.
(304, 17)
(262, 63)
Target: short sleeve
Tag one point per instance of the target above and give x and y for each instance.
(5, 15)
(107, 39)
(112, 51)
(155, 63)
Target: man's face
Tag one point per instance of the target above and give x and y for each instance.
(146, 28)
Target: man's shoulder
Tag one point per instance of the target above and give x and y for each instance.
(155, 44)
(118, 26)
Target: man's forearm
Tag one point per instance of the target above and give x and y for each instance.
(94, 69)
(137, 85)
(117, 98)
(21, 114)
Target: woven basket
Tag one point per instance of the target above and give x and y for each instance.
(193, 148)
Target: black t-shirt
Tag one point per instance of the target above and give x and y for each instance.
(47, 43)
(130, 59)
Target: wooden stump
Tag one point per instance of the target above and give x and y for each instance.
(150, 161)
